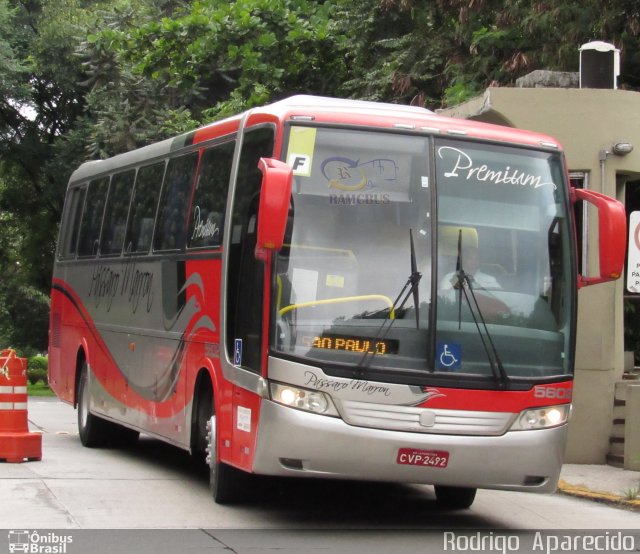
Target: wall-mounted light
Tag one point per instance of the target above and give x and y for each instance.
(622, 148)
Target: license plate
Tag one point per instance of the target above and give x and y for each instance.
(429, 458)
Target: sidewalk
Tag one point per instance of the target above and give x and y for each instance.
(601, 483)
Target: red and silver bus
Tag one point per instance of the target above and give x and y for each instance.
(330, 288)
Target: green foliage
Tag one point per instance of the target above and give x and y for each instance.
(391, 50)
(24, 316)
(35, 375)
(37, 369)
(439, 53)
(38, 363)
(223, 57)
(458, 93)
(40, 388)
(211, 59)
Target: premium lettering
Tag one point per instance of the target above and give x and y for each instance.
(463, 166)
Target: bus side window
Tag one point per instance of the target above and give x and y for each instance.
(92, 217)
(172, 214)
(210, 197)
(143, 208)
(71, 222)
(115, 218)
(245, 274)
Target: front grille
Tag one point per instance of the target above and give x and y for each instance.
(408, 418)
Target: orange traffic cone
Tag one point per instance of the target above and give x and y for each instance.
(16, 442)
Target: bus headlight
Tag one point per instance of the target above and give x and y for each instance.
(302, 399)
(542, 418)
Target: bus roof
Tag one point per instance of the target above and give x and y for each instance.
(378, 114)
(346, 104)
(327, 110)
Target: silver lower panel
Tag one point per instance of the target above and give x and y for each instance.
(296, 443)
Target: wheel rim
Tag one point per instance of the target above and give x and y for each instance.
(204, 414)
(213, 452)
(84, 403)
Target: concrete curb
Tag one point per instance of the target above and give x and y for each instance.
(605, 497)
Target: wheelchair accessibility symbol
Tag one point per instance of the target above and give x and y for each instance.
(448, 355)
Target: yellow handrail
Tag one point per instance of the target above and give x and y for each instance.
(291, 307)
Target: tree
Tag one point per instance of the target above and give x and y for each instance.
(38, 106)
(441, 52)
(211, 59)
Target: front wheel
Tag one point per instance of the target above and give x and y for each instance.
(202, 412)
(455, 498)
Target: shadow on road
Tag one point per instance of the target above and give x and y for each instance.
(322, 502)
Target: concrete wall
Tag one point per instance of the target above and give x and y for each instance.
(592, 417)
(631, 435)
(587, 122)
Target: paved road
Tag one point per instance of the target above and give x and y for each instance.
(154, 486)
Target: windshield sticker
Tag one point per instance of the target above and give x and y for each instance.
(346, 174)
(449, 355)
(300, 163)
(335, 281)
(304, 285)
(460, 164)
(302, 143)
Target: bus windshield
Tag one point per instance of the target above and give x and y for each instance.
(356, 285)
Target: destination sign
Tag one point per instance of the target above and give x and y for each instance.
(362, 345)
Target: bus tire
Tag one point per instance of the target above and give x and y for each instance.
(92, 429)
(455, 498)
(227, 483)
(202, 412)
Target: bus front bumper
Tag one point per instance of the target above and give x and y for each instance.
(300, 444)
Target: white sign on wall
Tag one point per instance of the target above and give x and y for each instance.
(633, 258)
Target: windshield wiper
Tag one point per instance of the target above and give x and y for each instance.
(414, 279)
(463, 284)
(412, 284)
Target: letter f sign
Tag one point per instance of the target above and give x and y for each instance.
(301, 164)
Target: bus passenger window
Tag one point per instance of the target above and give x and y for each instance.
(92, 217)
(71, 222)
(115, 218)
(210, 197)
(172, 213)
(143, 208)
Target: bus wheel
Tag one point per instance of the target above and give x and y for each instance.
(203, 410)
(455, 498)
(226, 482)
(92, 429)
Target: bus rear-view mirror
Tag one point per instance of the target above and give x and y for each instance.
(273, 211)
(612, 228)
